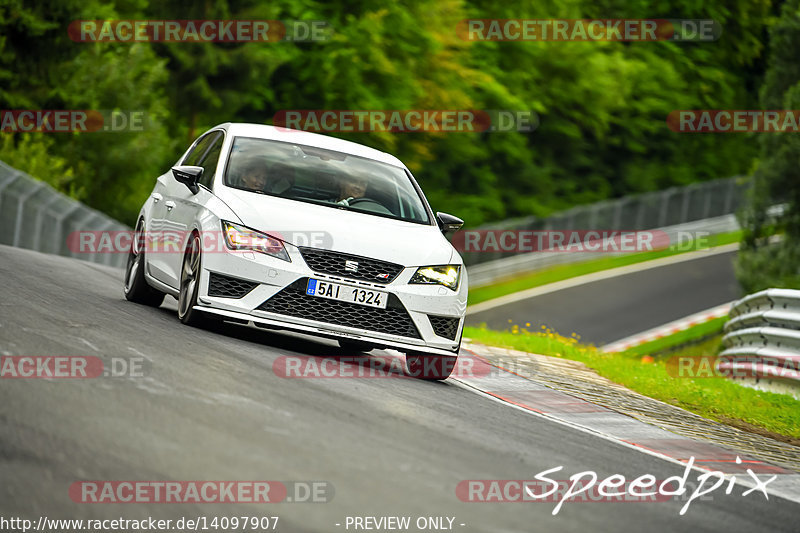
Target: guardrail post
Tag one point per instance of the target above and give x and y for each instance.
(685, 205)
(38, 229)
(729, 196)
(11, 179)
(662, 215)
(81, 224)
(36, 187)
(59, 235)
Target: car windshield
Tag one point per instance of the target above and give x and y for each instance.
(324, 177)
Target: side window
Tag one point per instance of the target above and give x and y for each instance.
(199, 150)
(209, 162)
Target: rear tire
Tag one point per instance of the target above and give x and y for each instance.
(430, 367)
(136, 288)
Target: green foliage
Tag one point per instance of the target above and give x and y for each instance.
(763, 264)
(33, 153)
(112, 172)
(602, 106)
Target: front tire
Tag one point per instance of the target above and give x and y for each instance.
(136, 288)
(190, 285)
(430, 367)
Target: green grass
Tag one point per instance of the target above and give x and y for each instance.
(562, 272)
(715, 398)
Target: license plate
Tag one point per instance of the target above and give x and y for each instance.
(346, 293)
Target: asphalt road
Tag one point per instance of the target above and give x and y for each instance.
(611, 309)
(210, 407)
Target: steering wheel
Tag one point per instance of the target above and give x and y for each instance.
(368, 204)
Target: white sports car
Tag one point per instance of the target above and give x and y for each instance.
(285, 229)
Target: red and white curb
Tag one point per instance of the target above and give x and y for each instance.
(667, 329)
(538, 400)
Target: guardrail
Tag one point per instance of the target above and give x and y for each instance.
(708, 200)
(762, 341)
(493, 271)
(33, 215)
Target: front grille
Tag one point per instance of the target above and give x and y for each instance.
(227, 287)
(293, 301)
(444, 326)
(329, 262)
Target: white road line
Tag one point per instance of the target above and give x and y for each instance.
(137, 352)
(791, 493)
(87, 343)
(597, 276)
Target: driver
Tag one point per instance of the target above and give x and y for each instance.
(254, 176)
(351, 188)
(277, 179)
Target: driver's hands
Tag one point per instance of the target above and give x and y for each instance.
(346, 201)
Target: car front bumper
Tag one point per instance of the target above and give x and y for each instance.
(274, 280)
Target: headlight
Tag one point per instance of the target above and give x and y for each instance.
(241, 238)
(446, 275)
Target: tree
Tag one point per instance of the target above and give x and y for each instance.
(762, 264)
(44, 69)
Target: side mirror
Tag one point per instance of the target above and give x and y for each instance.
(448, 223)
(189, 176)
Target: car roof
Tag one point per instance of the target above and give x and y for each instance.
(263, 131)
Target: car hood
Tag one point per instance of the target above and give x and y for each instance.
(305, 224)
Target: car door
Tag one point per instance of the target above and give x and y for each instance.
(183, 207)
(168, 242)
(155, 223)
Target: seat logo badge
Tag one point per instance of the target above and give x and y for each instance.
(351, 266)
